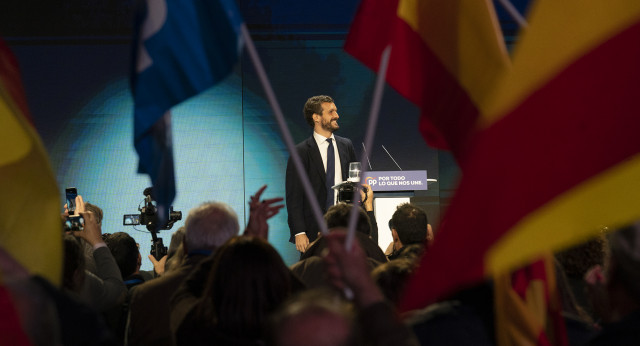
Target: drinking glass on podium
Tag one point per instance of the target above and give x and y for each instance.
(355, 168)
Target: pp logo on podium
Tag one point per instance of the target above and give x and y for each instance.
(371, 181)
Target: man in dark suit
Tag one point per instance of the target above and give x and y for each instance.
(321, 152)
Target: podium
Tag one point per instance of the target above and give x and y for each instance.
(390, 189)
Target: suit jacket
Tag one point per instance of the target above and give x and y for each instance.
(149, 309)
(301, 217)
(371, 248)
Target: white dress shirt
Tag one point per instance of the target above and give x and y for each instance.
(323, 145)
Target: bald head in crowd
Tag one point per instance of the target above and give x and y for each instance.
(209, 225)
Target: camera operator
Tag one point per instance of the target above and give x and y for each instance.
(345, 194)
(154, 222)
(366, 196)
(105, 289)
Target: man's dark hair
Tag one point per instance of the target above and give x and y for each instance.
(125, 250)
(338, 216)
(410, 222)
(97, 212)
(392, 277)
(314, 106)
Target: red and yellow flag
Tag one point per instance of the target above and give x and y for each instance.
(557, 155)
(30, 226)
(527, 306)
(445, 58)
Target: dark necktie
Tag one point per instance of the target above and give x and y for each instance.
(331, 172)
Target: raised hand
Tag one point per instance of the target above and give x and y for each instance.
(158, 266)
(92, 231)
(260, 212)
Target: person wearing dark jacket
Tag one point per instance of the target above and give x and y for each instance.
(206, 228)
(321, 152)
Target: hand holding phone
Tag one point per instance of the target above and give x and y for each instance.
(92, 232)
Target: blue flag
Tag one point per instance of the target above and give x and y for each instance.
(181, 48)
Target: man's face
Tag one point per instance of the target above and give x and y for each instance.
(329, 117)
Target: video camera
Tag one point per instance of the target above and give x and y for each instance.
(149, 217)
(346, 190)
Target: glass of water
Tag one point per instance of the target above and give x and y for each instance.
(354, 171)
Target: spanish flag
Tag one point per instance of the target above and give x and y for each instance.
(557, 154)
(30, 225)
(445, 58)
(528, 310)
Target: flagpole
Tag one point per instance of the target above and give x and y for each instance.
(284, 129)
(369, 135)
(513, 12)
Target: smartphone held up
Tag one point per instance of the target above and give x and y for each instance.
(71, 194)
(73, 221)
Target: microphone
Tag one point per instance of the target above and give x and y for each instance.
(367, 155)
(394, 161)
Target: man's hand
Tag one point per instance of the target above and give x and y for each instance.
(158, 266)
(302, 242)
(79, 207)
(92, 232)
(368, 203)
(260, 212)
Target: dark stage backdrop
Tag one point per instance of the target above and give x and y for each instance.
(226, 141)
(74, 57)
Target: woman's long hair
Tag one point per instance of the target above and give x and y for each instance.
(247, 282)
